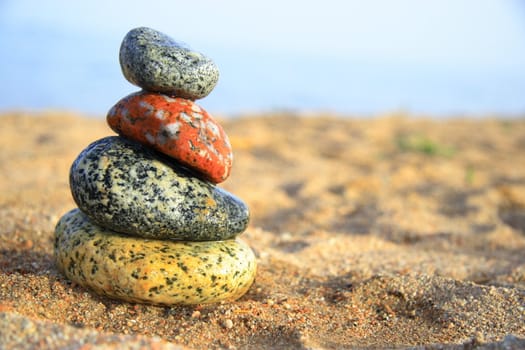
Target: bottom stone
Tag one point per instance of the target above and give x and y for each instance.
(151, 271)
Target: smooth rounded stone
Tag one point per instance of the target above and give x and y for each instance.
(130, 188)
(176, 127)
(151, 271)
(156, 62)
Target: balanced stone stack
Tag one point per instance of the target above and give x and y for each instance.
(151, 224)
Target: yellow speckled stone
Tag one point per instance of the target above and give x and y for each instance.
(151, 271)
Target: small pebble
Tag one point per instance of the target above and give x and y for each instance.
(176, 127)
(129, 188)
(27, 244)
(156, 62)
(228, 324)
(151, 271)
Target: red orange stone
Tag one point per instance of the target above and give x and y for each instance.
(176, 127)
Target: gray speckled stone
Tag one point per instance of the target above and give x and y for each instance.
(132, 189)
(151, 271)
(156, 62)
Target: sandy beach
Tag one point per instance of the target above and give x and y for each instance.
(388, 232)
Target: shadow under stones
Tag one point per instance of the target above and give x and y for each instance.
(455, 203)
(25, 262)
(292, 246)
(360, 220)
(293, 188)
(279, 220)
(514, 216)
(401, 236)
(274, 336)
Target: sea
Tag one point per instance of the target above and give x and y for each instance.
(44, 69)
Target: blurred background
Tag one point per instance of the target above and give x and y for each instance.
(435, 57)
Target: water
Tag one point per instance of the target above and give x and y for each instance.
(45, 67)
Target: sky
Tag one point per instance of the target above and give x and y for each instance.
(351, 57)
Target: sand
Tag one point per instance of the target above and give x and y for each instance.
(395, 231)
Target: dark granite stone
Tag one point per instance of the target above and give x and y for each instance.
(156, 62)
(129, 188)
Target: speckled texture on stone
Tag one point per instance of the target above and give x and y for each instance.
(156, 62)
(151, 271)
(176, 127)
(132, 189)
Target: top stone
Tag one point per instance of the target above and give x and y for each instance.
(156, 62)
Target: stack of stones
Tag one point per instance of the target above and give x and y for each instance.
(151, 224)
